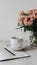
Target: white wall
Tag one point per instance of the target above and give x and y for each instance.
(9, 10)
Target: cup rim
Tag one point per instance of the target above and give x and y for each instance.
(14, 37)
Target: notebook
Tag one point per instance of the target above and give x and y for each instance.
(7, 56)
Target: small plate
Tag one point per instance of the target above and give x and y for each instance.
(19, 48)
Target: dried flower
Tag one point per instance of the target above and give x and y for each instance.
(27, 19)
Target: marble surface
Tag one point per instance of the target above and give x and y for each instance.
(23, 61)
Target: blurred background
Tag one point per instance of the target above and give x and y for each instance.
(9, 14)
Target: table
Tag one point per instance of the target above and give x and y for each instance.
(23, 61)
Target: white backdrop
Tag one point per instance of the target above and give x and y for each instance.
(9, 10)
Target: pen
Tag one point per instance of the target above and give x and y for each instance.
(9, 51)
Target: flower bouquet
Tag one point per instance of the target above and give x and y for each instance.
(28, 21)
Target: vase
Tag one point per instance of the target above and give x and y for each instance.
(28, 38)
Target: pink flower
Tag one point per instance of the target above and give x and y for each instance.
(35, 13)
(22, 13)
(21, 20)
(28, 20)
(30, 12)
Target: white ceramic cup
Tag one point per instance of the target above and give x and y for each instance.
(16, 43)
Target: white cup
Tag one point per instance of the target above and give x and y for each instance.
(16, 43)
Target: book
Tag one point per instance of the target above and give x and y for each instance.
(7, 56)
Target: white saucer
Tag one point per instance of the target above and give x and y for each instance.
(19, 48)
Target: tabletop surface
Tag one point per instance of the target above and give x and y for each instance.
(23, 61)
